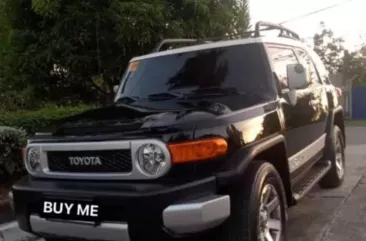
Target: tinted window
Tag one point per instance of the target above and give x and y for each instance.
(242, 67)
(280, 58)
(306, 60)
(323, 72)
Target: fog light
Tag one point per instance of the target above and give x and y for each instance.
(33, 160)
(152, 160)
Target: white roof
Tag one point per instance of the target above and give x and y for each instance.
(275, 40)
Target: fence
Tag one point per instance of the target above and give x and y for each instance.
(359, 103)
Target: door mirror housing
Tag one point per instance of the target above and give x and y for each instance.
(297, 76)
(290, 96)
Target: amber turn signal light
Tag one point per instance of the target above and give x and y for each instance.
(197, 150)
(339, 91)
(133, 66)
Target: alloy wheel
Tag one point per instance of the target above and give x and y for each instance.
(339, 159)
(270, 218)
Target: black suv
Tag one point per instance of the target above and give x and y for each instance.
(213, 140)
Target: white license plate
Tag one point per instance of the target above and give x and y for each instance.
(70, 210)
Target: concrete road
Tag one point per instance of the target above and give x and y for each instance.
(324, 215)
(338, 214)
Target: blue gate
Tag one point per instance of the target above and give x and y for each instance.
(359, 103)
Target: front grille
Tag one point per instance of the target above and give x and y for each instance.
(111, 161)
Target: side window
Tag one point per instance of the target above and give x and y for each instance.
(306, 60)
(280, 58)
(323, 72)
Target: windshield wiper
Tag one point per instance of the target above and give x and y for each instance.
(165, 96)
(215, 91)
(206, 92)
(127, 99)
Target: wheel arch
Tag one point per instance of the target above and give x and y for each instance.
(339, 121)
(274, 151)
(336, 117)
(277, 156)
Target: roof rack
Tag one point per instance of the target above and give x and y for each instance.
(284, 33)
(178, 41)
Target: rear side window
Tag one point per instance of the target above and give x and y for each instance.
(306, 60)
(280, 58)
(323, 72)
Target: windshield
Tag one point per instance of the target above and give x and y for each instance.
(239, 68)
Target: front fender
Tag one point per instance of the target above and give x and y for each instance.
(240, 161)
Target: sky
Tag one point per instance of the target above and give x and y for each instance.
(347, 20)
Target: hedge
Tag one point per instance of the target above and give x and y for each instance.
(31, 121)
(14, 129)
(12, 140)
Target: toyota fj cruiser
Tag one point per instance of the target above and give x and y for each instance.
(211, 139)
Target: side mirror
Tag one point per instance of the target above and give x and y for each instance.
(290, 96)
(115, 88)
(297, 76)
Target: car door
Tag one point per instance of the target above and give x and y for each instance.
(332, 96)
(318, 98)
(299, 118)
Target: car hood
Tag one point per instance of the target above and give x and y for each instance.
(135, 117)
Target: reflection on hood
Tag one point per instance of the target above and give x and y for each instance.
(134, 117)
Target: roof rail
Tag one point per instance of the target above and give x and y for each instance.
(285, 32)
(177, 41)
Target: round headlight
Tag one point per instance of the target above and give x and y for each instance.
(152, 159)
(33, 160)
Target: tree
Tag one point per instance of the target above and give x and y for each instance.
(329, 48)
(66, 50)
(354, 66)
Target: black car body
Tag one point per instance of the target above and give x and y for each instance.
(233, 91)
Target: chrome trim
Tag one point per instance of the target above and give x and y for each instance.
(197, 215)
(306, 154)
(133, 145)
(105, 231)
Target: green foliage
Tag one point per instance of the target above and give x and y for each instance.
(329, 48)
(352, 64)
(68, 50)
(31, 121)
(15, 100)
(12, 140)
(46, 7)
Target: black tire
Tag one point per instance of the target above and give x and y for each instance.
(246, 196)
(334, 178)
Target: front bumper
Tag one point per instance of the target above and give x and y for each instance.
(133, 210)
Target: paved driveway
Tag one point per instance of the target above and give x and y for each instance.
(324, 215)
(339, 214)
